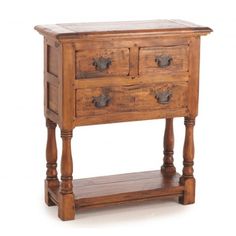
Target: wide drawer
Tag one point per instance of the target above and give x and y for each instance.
(130, 98)
(102, 62)
(165, 59)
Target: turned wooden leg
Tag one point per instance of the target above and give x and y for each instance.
(187, 179)
(168, 161)
(66, 210)
(51, 157)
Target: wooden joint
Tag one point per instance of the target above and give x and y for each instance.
(66, 187)
(52, 178)
(50, 124)
(188, 163)
(168, 158)
(51, 171)
(66, 191)
(56, 44)
(51, 165)
(168, 153)
(189, 121)
(66, 178)
(66, 133)
(188, 169)
(187, 176)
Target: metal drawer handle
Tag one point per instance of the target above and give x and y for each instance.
(163, 61)
(101, 63)
(163, 97)
(101, 101)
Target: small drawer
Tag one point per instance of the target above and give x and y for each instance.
(168, 59)
(102, 62)
(130, 98)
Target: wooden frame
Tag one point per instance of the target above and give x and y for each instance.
(132, 90)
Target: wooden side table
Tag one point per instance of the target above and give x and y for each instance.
(112, 72)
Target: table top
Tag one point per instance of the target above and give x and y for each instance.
(70, 30)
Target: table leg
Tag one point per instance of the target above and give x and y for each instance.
(66, 206)
(51, 157)
(187, 179)
(168, 161)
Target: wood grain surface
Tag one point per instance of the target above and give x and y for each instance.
(131, 98)
(98, 73)
(70, 30)
(178, 54)
(107, 190)
(119, 62)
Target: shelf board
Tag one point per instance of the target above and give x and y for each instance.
(116, 189)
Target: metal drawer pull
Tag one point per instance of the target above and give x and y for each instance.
(101, 101)
(101, 63)
(163, 97)
(163, 61)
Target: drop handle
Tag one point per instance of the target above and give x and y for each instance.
(101, 101)
(163, 61)
(101, 63)
(163, 97)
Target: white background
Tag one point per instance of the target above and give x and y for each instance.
(115, 148)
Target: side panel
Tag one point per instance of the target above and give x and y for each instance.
(193, 92)
(51, 80)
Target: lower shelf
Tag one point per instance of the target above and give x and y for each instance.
(115, 189)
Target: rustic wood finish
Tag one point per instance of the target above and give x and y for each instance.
(166, 27)
(119, 62)
(168, 160)
(98, 73)
(187, 179)
(51, 157)
(116, 189)
(130, 98)
(179, 59)
(66, 196)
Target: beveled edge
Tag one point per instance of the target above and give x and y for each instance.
(58, 31)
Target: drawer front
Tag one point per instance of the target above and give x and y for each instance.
(168, 59)
(130, 98)
(102, 62)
